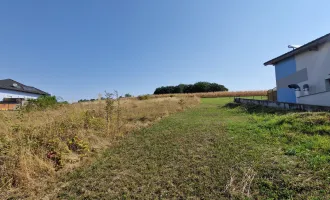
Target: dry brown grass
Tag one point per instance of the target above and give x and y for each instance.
(215, 94)
(36, 146)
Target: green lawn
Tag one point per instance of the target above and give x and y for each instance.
(213, 152)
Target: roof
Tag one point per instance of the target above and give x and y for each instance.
(313, 45)
(10, 84)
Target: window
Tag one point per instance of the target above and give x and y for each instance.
(327, 84)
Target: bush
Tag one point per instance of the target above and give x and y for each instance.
(41, 103)
(143, 97)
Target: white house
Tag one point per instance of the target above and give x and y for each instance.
(13, 89)
(302, 75)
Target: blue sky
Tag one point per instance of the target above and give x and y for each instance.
(76, 49)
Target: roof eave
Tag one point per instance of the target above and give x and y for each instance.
(311, 46)
(13, 89)
(8, 86)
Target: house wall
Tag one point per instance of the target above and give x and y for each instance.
(322, 99)
(16, 94)
(312, 68)
(283, 70)
(317, 64)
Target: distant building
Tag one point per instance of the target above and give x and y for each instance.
(302, 75)
(11, 89)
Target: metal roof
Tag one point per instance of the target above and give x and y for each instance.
(313, 45)
(10, 84)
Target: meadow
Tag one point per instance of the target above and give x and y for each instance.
(218, 150)
(167, 148)
(37, 146)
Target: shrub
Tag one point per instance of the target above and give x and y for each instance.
(128, 95)
(41, 103)
(143, 97)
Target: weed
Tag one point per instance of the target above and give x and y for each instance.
(109, 107)
(118, 112)
(182, 103)
(77, 145)
(290, 152)
(56, 158)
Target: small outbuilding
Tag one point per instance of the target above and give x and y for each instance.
(303, 74)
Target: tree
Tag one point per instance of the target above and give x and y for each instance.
(223, 88)
(189, 88)
(214, 87)
(128, 95)
(180, 88)
(201, 87)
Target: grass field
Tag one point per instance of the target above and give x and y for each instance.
(38, 146)
(212, 152)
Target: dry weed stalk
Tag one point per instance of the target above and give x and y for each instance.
(240, 182)
(109, 107)
(118, 111)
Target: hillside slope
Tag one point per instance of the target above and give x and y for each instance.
(212, 152)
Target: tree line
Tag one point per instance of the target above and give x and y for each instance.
(191, 88)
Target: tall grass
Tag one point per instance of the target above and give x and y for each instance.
(35, 146)
(213, 94)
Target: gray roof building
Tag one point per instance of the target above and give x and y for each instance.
(9, 84)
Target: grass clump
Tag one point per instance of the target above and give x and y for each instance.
(303, 122)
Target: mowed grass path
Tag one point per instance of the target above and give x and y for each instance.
(208, 152)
